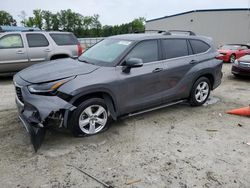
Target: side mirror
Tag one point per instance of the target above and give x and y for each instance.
(132, 63)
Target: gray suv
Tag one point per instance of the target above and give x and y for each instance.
(21, 49)
(120, 76)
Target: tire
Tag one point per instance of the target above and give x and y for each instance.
(91, 117)
(232, 58)
(200, 92)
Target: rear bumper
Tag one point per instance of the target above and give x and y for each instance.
(240, 71)
(217, 75)
(225, 58)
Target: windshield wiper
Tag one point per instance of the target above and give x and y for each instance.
(84, 61)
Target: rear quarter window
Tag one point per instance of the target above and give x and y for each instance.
(199, 46)
(64, 39)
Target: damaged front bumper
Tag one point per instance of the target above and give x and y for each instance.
(38, 112)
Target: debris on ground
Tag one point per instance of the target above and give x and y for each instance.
(99, 181)
(133, 182)
(211, 130)
(211, 176)
(240, 125)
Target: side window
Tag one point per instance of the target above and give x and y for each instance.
(146, 50)
(64, 39)
(37, 40)
(175, 48)
(244, 48)
(11, 41)
(199, 46)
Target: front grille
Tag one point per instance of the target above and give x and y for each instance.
(245, 65)
(19, 94)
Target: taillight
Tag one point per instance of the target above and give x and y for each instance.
(79, 49)
(219, 56)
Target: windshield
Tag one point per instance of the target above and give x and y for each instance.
(105, 52)
(230, 47)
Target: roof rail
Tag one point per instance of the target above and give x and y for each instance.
(159, 31)
(5, 28)
(182, 31)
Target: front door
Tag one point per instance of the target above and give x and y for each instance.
(13, 54)
(140, 88)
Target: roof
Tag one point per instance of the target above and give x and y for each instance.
(204, 10)
(148, 36)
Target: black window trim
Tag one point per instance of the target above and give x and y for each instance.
(36, 34)
(200, 41)
(121, 63)
(13, 34)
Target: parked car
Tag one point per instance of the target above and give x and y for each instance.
(231, 52)
(241, 67)
(123, 75)
(20, 49)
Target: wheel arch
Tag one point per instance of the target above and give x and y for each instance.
(59, 56)
(209, 76)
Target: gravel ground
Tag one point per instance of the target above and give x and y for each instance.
(179, 146)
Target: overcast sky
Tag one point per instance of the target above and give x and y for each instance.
(117, 11)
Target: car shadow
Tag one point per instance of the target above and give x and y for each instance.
(239, 78)
(6, 79)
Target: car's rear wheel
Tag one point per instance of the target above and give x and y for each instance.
(200, 92)
(232, 58)
(91, 117)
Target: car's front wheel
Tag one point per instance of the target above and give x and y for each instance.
(232, 58)
(200, 92)
(91, 117)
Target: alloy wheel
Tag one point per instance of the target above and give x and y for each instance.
(93, 119)
(202, 92)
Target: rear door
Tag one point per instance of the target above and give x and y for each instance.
(140, 88)
(178, 60)
(13, 55)
(39, 48)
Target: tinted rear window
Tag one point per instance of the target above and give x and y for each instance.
(64, 39)
(37, 40)
(199, 46)
(175, 48)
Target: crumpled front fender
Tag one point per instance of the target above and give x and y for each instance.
(35, 109)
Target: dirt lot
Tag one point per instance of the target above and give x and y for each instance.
(171, 147)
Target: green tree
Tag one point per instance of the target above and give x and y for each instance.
(138, 25)
(6, 19)
(29, 22)
(47, 16)
(38, 18)
(55, 22)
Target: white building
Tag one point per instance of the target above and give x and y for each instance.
(225, 26)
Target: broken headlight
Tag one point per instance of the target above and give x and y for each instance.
(49, 88)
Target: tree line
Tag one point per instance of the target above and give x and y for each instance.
(68, 20)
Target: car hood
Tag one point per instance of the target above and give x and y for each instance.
(55, 70)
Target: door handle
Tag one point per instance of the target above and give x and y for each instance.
(193, 62)
(19, 52)
(47, 50)
(157, 70)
